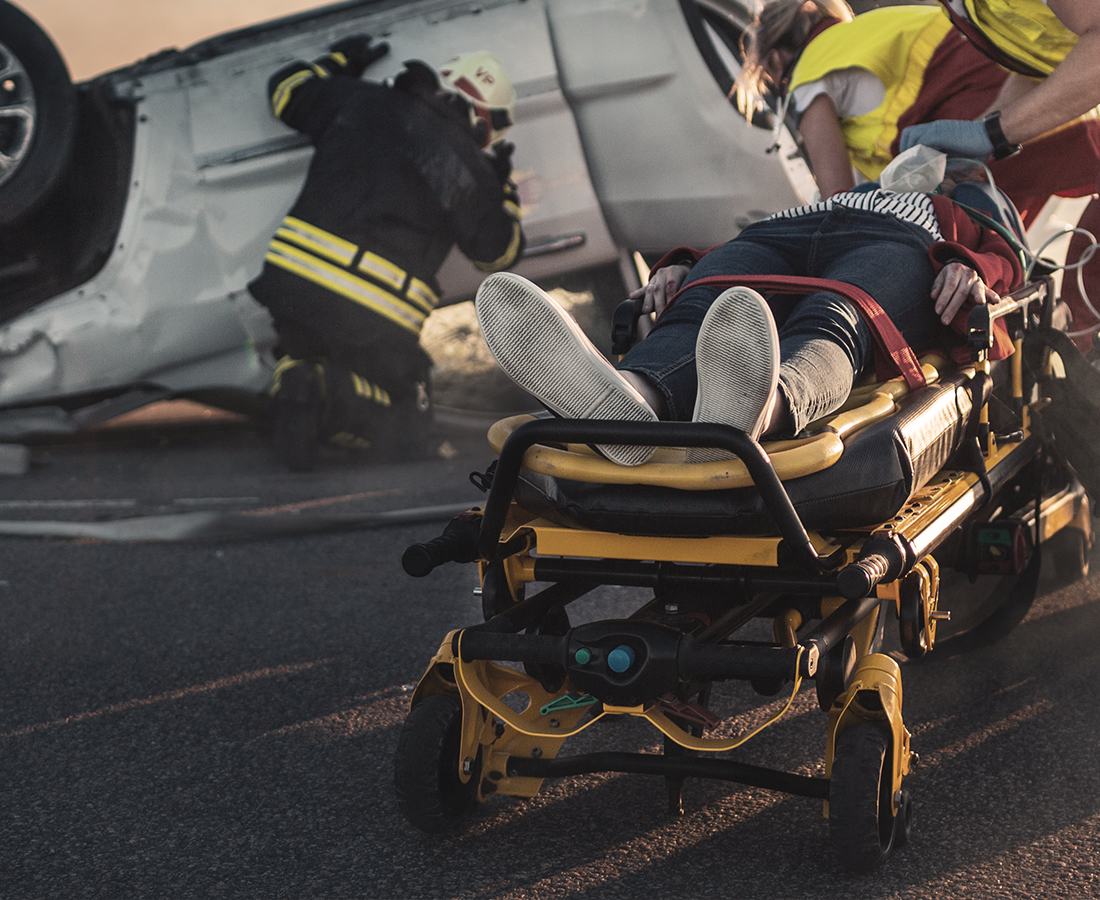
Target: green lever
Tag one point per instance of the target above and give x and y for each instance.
(572, 700)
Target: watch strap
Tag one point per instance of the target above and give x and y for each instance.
(1002, 149)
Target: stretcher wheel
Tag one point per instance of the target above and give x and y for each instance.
(862, 825)
(1069, 550)
(429, 790)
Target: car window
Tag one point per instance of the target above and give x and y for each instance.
(717, 27)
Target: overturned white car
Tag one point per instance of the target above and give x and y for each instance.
(135, 207)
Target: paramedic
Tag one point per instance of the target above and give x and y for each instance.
(401, 173)
(1052, 48)
(855, 83)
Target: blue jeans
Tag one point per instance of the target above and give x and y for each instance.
(824, 344)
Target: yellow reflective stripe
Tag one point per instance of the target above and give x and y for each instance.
(420, 293)
(370, 391)
(280, 97)
(383, 270)
(509, 255)
(342, 282)
(318, 240)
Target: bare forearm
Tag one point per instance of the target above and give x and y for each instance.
(825, 146)
(1070, 91)
(1015, 88)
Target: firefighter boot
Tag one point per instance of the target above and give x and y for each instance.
(297, 404)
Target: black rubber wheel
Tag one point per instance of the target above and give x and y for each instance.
(37, 114)
(861, 819)
(429, 790)
(1069, 551)
(903, 822)
(834, 672)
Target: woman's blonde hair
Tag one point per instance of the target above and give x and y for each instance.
(783, 25)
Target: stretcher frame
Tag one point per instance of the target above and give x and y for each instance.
(848, 584)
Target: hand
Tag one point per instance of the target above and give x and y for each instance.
(956, 284)
(663, 284)
(360, 52)
(501, 159)
(954, 137)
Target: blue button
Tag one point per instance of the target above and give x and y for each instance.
(621, 658)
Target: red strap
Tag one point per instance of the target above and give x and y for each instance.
(894, 355)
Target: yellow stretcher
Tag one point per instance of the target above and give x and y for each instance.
(832, 539)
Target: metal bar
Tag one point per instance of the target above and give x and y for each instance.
(843, 620)
(680, 766)
(526, 612)
(662, 434)
(629, 573)
(554, 245)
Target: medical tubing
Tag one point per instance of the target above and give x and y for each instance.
(1034, 258)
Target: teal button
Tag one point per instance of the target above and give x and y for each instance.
(621, 658)
(583, 656)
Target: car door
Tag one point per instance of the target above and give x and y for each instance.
(672, 160)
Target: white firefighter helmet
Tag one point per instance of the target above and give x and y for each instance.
(479, 79)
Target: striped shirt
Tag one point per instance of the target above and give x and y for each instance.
(914, 208)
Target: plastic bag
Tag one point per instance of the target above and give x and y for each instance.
(919, 168)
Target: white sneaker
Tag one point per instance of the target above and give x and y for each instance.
(544, 351)
(737, 359)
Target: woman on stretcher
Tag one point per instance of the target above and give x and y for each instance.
(717, 354)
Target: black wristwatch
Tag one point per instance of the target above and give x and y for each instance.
(1002, 149)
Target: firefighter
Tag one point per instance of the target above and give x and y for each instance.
(402, 172)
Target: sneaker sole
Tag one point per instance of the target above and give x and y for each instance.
(541, 348)
(737, 358)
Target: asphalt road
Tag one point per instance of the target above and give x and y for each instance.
(217, 717)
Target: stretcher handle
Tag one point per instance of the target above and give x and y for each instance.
(679, 655)
(659, 434)
(859, 578)
(714, 662)
(458, 543)
(883, 558)
(548, 649)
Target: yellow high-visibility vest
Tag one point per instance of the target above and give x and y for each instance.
(896, 43)
(1024, 30)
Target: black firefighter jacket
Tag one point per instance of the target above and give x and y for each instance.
(396, 181)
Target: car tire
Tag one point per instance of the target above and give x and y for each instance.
(37, 115)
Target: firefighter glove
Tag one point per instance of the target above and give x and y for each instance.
(360, 51)
(501, 159)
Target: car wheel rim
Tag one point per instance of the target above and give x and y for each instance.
(17, 113)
